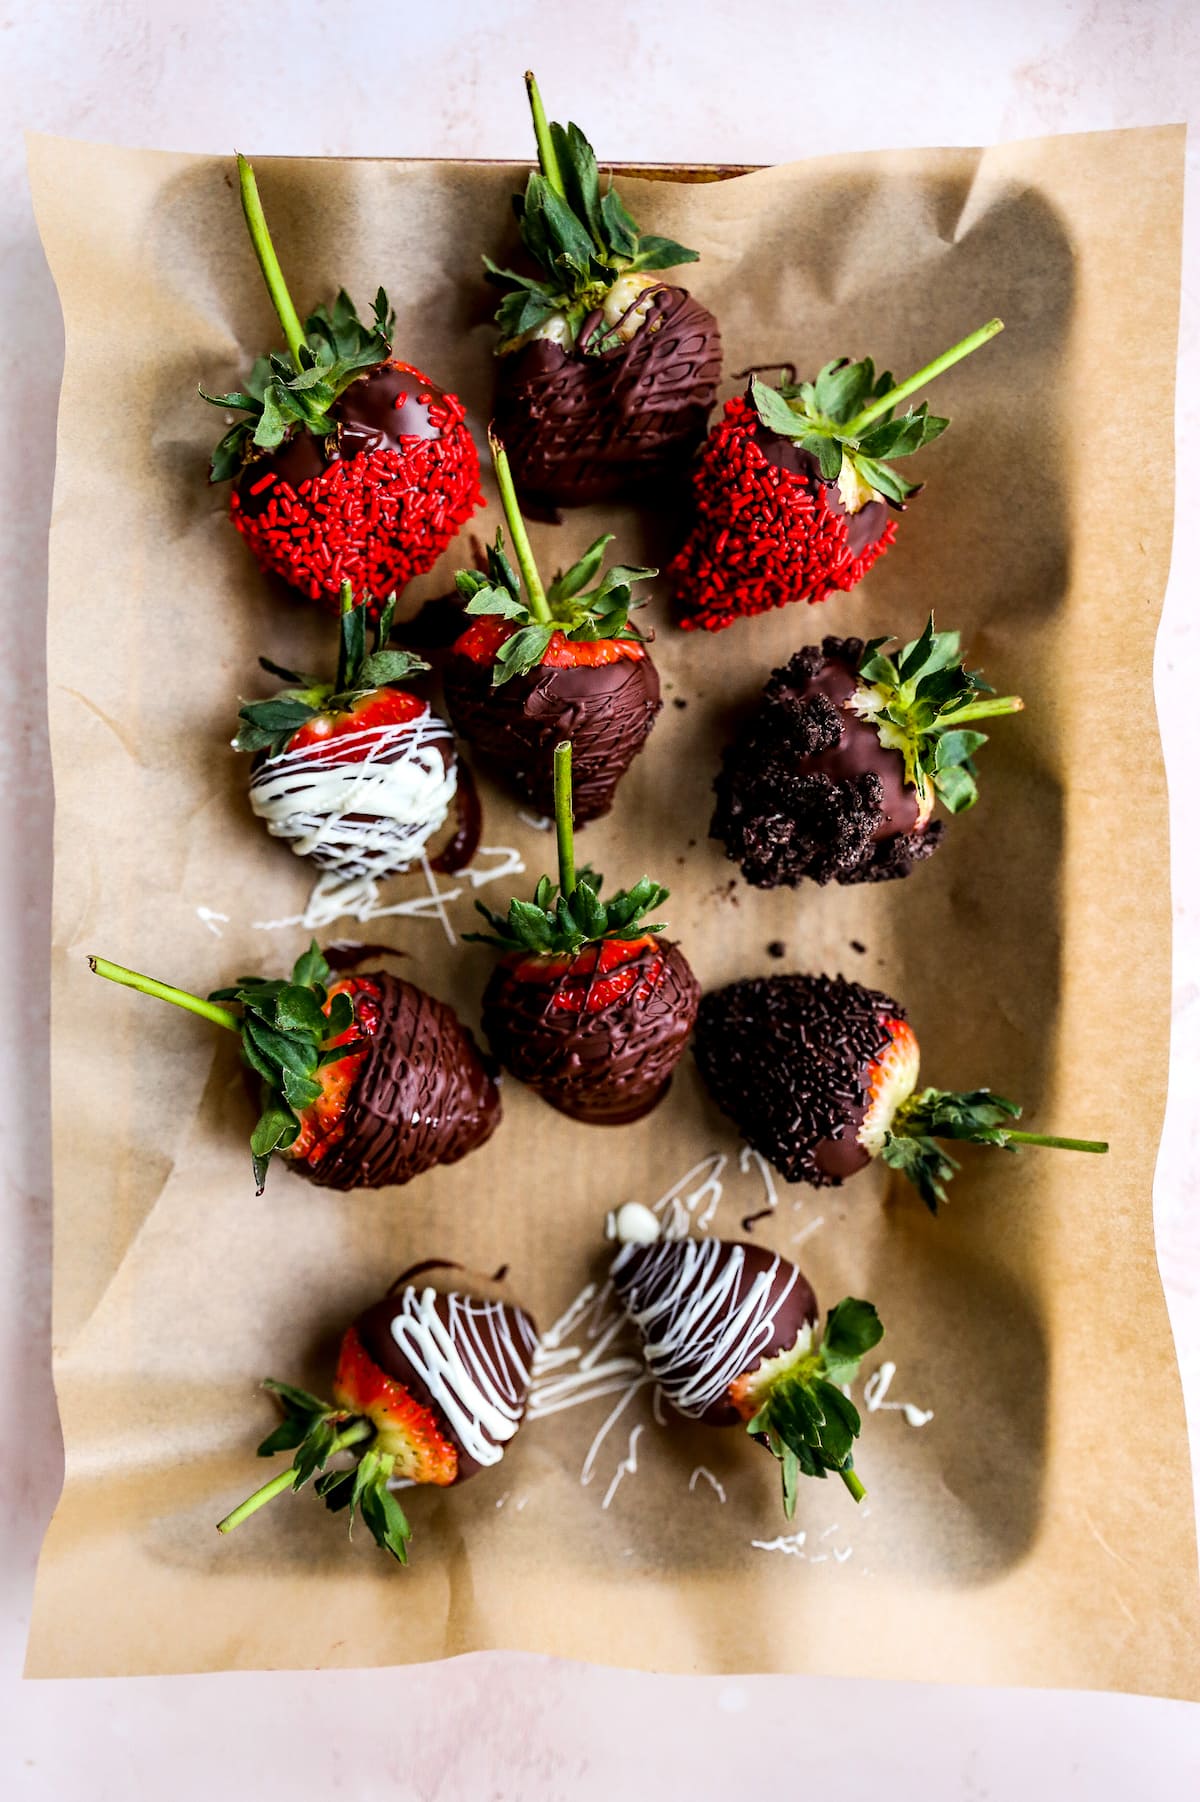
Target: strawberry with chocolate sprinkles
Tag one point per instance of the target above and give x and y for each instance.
(792, 490)
(348, 464)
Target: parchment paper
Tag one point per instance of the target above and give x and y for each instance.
(1036, 1530)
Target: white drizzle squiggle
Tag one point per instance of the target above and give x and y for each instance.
(476, 1370)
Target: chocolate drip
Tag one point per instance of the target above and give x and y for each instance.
(606, 710)
(582, 428)
(423, 1095)
(607, 1068)
(458, 851)
(366, 418)
(808, 790)
(710, 1312)
(494, 1340)
(789, 1058)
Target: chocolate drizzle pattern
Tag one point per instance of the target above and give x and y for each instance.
(607, 712)
(709, 1311)
(807, 790)
(467, 1359)
(580, 428)
(607, 1068)
(423, 1095)
(788, 1059)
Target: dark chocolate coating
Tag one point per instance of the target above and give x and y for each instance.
(807, 790)
(581, 428)
(503, 1335)
(788, 1058)
(606, 1068)
(423, 1095)
(864, 528)
(606, 711)
(647, 1276)
(365, 417)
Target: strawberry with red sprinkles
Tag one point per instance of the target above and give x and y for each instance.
(348, 464)
(792, 491)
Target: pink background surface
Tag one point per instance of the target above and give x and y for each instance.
(665, 81)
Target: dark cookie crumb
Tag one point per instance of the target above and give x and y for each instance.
(777, 948)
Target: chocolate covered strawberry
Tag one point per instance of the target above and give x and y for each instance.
(835, 774)
(587, 1004)
(791, 494)
(820, 1076)
(606, 373)
(729, 1333)
(359, 773)
(540, 665)
(430, 1387)
(364, 1080)
(348, 464)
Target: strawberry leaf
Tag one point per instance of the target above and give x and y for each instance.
(805, 1419)
(555, 925)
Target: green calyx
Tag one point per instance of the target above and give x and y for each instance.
(269, 726)
(806, 1420)
(921, 700)
(846, 420)
(319, 1432)
(566, 915)
(582, 239)
(976, 1116)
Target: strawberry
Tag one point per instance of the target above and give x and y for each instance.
(606, 374)
(728, 1333)
(357, 774)
(820, 1076)
(791, 493)
(537, 666)
(586, 1004)
(364, 1081)
(430, 1388)
(348, 464)
(835, 773)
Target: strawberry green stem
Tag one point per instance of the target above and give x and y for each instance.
(535, 594)
(564, 818)
(1056, 1144)
(268, 262)
(852, 1484)
(547, 155)
(207, 1010)
(987, 708)
(885, 403)
(361, 1429)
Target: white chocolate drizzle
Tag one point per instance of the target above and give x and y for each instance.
(875, 1390)
(714, 1483)
(475, 1365)
(359, 898)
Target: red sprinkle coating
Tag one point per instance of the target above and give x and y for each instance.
(376, 519)
(762, 535)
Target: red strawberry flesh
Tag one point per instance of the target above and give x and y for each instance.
(406, 1429)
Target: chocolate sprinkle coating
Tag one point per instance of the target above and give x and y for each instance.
(423, 1095)
(788, 1059)
(581, 428)
(609, 1067)
(606, 710)
(807, 789)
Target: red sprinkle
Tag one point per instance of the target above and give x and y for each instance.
(261, 486)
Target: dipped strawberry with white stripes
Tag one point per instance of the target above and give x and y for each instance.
(729, 1333)
(430, 1388)
(820, 1076)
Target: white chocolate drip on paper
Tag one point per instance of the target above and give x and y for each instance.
(875, 1390)
(360, 899)
(476, 1370)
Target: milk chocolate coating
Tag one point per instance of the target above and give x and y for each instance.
(606, 711)
(366, 418)
(788, 1059)
(508, 1332)
(581, 428)
(644, 1272)
(423, 1095)
(606, 1068)
(807, 789)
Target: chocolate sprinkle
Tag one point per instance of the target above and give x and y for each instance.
(787, 1058)
(808, 790)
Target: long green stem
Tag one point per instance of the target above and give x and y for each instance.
(535, 594)
(859, 424)
(268, 262)
(986, 708)
(852, 1483)
(564, 818)
(207, 1010)
(1055, 1144)
(547, 155)
(286, 1479)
